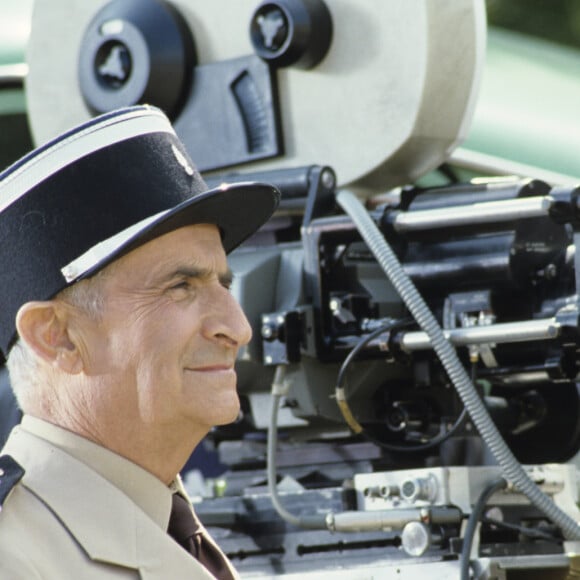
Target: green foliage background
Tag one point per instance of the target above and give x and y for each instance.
(554, 20)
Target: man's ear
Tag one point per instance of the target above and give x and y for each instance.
(44, 328)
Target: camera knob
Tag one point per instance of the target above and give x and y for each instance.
(136, 51)
(416, 539)
(419, 489)
(291, 32)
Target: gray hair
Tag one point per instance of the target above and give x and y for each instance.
(29, 374)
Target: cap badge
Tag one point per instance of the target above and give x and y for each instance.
(182, 160)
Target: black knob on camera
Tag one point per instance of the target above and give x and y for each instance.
(291, 32)
(136, 51)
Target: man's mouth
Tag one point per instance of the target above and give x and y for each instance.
(211, 368)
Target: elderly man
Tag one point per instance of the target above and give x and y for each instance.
(121, 336)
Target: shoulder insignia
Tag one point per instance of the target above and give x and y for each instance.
(10, 474)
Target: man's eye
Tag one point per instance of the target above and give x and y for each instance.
(181, 286)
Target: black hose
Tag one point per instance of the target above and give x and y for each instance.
(472, 522)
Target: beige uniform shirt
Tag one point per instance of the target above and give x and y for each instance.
(84, 512)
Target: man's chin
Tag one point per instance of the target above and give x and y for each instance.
(230, 415)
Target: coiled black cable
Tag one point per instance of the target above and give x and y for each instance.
(342, 399)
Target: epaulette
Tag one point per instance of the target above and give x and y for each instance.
(10, 474)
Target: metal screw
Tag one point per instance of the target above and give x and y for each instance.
(267, 331)
(550, 271)
(327, 179)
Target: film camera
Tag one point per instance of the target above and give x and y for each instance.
(421, 343)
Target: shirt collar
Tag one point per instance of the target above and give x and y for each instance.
(146, 490)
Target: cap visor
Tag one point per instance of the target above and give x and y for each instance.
(237, 209)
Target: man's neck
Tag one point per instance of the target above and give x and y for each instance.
(161, 451)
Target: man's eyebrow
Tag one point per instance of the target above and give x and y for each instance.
(225, 278)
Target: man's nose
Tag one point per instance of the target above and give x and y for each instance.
(229, 323)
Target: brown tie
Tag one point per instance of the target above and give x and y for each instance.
(186, 531)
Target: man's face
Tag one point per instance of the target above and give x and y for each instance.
(164, 350)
